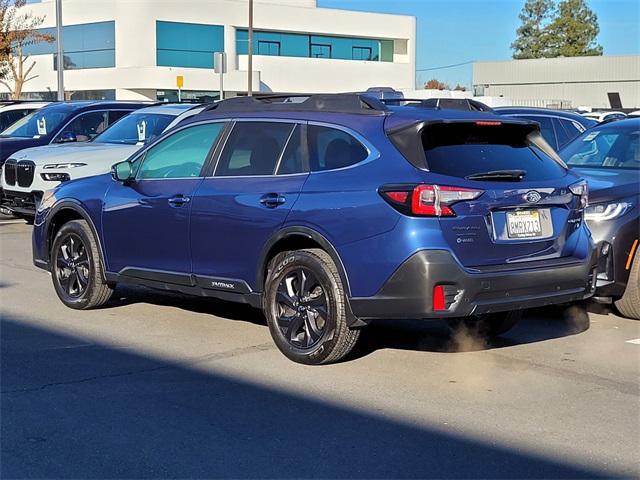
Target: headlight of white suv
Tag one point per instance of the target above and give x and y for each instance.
(606, 211)
(65, 165)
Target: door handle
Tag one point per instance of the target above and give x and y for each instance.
(272, 200)
(178, 201)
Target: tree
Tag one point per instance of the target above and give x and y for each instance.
(532, 36)
(460, 88)
(435, 84)
(574, 31)
(18, 29)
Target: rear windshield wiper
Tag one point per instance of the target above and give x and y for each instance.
(501, 175)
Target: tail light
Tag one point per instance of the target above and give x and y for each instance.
(427, 200)
(581, 189)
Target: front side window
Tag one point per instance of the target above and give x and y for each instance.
(330, 148)
(181, 155)
(253, 148)
(87, 126)
(612, 147)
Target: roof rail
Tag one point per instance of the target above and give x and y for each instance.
(467, 104)
(332, 102)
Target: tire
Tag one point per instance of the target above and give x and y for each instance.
(490, 325)
(629, 304)
(305, 306)
(76, 269)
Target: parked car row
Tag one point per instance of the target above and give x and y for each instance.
(84, 147)
(468, 216)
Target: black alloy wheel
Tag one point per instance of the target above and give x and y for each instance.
(76, 267)
(72, 267)
(302, 308)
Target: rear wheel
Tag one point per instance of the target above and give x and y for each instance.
(76, 270)
(490, 325)
(629, 304)
(305, 307)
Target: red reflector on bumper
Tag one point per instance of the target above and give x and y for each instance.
(438, 298)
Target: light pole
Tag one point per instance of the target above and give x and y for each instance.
(60, 50)
(250, 51)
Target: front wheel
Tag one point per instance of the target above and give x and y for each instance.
(76, 270)
(305, 307)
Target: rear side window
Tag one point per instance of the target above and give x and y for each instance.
(294, 154)
(253, 148)
(461, 150)
(330, 148)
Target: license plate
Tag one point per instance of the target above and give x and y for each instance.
(524, 224)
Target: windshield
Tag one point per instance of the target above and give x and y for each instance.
(135, 128)
(37, 124)
(611, 147)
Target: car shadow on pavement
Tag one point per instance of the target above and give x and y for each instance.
(72, 408)
(537, 325)
(128, 295)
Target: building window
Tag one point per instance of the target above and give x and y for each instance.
(268, 48)
(361, 53)
(88, 45)
(188, 44)
(320, 51)
(315, 46)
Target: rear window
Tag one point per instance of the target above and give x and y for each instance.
(461, 150)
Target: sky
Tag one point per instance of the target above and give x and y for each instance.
(457, 31)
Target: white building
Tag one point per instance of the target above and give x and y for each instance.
(136, 49)
(562, 82)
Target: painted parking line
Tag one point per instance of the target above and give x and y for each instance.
(635, 341)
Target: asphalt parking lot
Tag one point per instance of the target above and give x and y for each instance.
(157, 385)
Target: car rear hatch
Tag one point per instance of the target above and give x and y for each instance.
(503, 196)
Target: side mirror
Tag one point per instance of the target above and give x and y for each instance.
(67, 137)
(122, 172)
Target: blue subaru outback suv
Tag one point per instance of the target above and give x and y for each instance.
(328, 212)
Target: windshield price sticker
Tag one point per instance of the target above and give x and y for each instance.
(142, 131)
(42, 126)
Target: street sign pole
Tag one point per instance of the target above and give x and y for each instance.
(250, 50)
(60, 50)
(220, 66)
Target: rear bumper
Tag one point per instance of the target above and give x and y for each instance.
(409, 291)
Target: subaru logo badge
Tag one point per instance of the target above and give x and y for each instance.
(532, 196)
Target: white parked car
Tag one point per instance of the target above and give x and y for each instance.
(58, 163)
(605, 116)
(12, 111)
